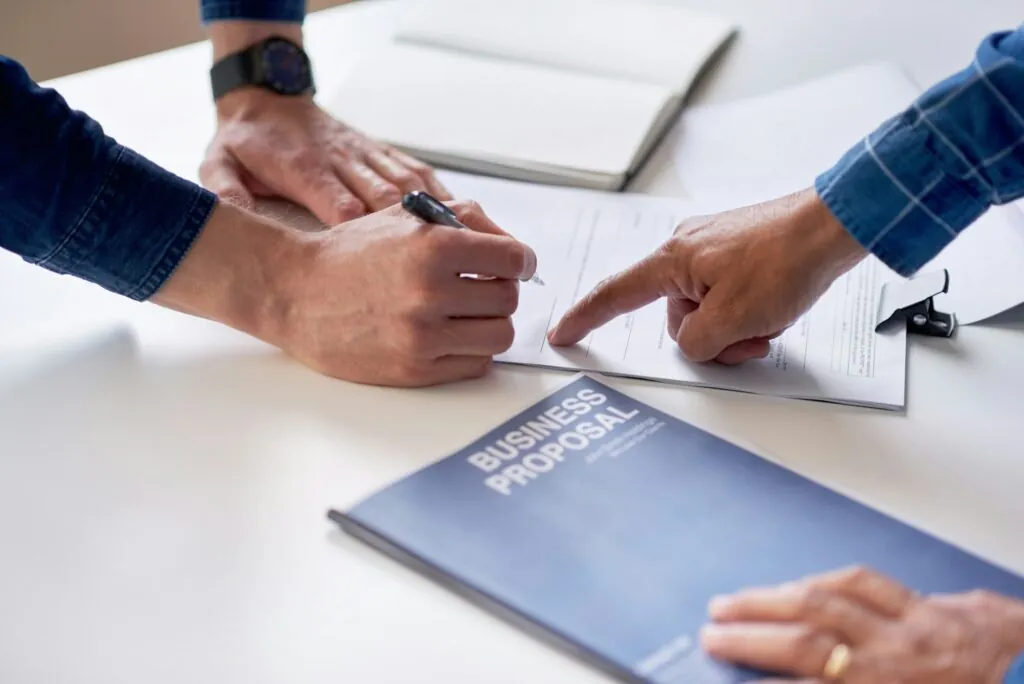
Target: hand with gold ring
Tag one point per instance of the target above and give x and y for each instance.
(856, 626)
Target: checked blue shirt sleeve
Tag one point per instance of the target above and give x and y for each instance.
(252, 10)
(908, 189)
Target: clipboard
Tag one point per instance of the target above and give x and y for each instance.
(912, 301)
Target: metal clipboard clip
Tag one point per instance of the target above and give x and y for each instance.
(912, 301)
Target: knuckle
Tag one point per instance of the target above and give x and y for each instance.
(602, 296)
(692, 224)
(857, 576)
(814, 602)
(439, 244)
(410, 372)
(350, 207)
(673, 251)
(508, 298)
(506, 336)
(385, 193)
(467, 210)
(305, 160)
(517, 259)
(404, 176)
(412, 339)
(480, 369)
(981, 599)
(422, 170)
(207, 168)
(926, 641)
(418, 303)
(807, 648)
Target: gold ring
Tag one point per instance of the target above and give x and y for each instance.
(838, 663)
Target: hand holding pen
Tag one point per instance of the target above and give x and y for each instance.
(427, 208)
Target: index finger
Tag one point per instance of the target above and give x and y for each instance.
(637, 286)
(475, 218)
(873, 589)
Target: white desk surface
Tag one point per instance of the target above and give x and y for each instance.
(163, 481)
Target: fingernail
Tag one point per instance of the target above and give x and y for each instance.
(529, 264)
(711, 635)
(553, 335)
(717, 605)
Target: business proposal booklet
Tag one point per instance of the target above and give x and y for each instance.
(604, 527)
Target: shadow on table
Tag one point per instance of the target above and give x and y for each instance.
(226, 401)
(34, 368)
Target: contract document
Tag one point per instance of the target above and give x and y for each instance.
(581, 237)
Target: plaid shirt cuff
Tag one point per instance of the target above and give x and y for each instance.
(895, 198)
(909, 188)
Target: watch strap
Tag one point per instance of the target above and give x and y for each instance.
(233, 71)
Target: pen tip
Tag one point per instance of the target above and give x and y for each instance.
(536, 279)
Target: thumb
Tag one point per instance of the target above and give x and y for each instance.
(305, 178)
(709, 329)
(222, 175)
(325, 196)
(637, 286)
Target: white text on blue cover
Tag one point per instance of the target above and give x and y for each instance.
(524, 454)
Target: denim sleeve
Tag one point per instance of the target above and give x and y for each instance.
(1015, 675)
(74, 201)
(908, 189)
(253, 10)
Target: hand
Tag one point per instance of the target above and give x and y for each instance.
(894, 636)
(378, 300)
(269, 145)
(733, 281)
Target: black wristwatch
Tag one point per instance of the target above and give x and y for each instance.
(277, 64)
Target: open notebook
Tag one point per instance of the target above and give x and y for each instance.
(570, 92)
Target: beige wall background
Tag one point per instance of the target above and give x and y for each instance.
(57, 37)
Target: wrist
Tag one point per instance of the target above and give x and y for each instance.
(251, 103)
(234, 271)
(229, 37)
(831, 244)
(267, 81)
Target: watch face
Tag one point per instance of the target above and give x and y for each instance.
(285, 68)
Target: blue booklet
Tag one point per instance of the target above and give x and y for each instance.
(604, 526)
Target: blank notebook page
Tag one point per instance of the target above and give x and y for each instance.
(422, 98)
(629, 39)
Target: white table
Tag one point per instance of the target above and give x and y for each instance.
(163, 480)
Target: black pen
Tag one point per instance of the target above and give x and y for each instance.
(426, 208)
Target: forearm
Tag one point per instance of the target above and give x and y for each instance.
(74, 201)
(230, 36)
(908, 189)
(233, 273)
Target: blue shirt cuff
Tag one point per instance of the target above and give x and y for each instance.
(292, 11)
(75, 201)
(895, 198)
(912, 186)
(141, 222)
